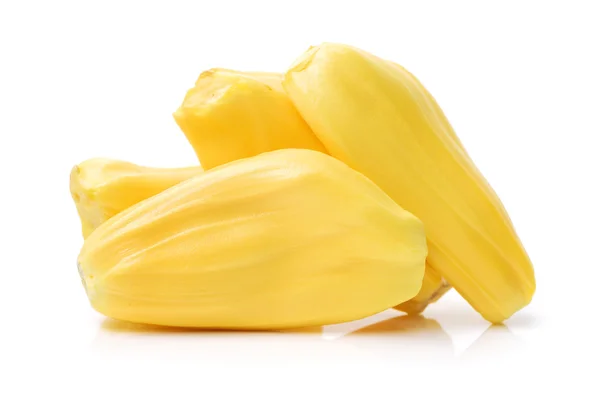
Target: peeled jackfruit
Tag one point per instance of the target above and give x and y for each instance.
(103, 187)
(230, 115)
(434, 286)
(289, 238)
(378, 119)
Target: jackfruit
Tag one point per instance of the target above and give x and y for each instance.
(230, 115)
(103, 187)
(289, 238)
(379, 120)
(434, 286)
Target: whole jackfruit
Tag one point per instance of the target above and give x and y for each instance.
(103, 187)
(378, 119)
(290, 238)
(230, 115)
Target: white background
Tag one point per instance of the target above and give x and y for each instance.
(519, 81)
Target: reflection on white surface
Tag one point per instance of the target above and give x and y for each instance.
(496, 340)
(448, 344)
(389, 337)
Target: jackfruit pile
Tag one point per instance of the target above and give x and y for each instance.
(325, 194)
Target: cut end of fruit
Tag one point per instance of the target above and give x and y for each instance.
(304, 60)
(204, 96)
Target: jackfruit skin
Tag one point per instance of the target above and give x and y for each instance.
(372, 115)
(229, 115)
(103, 187)
(290, 238)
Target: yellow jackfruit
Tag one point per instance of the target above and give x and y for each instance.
(289, 238)
(379, 120)
(230, 115)
(103, 187)
(433, 288)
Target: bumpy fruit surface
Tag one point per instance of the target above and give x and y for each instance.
(230, 115)
(290, 238)
(102, 187)
(378, 119)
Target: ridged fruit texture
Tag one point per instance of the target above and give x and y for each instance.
(379, 120)
(229, 115)
(290, 238)
(102, 187)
